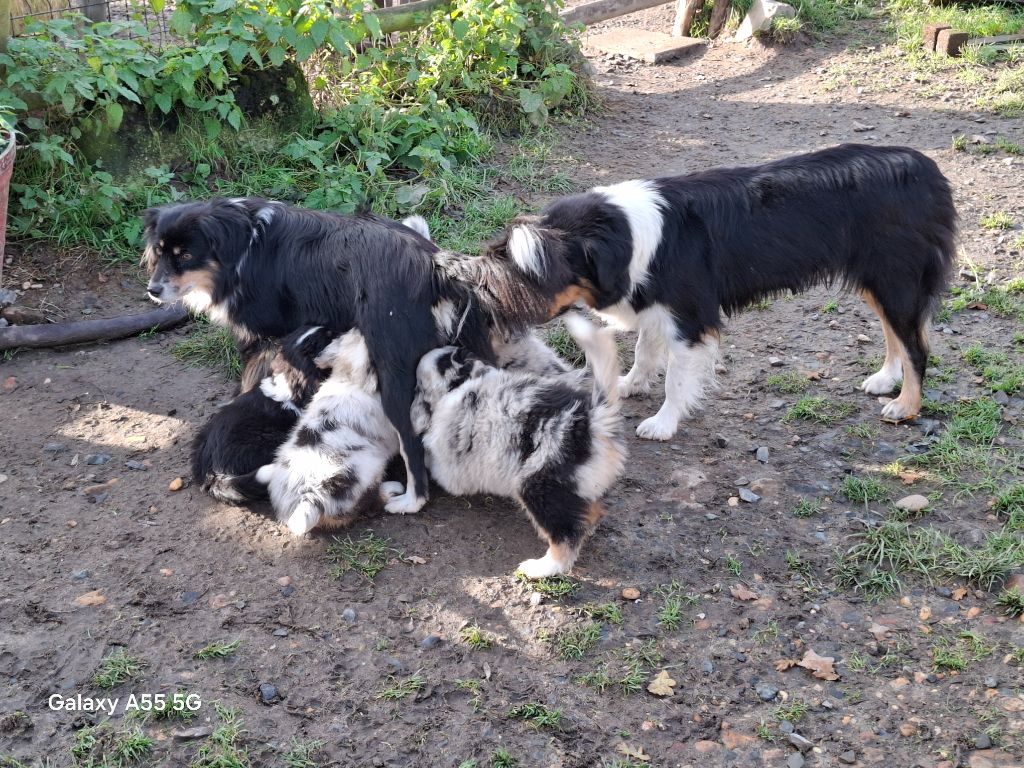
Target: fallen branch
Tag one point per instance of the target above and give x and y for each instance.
(61, 334)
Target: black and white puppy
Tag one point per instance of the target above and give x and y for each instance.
(541, 439)
(669, 256)
(243, 435)
(266, 269)
(332, 464)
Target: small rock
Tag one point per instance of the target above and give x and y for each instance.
(707, 667)
(991, 682)
(862, 127)
(536, 599)
(166, 571)
(796, 760)
(786, 727)
(908, 729)
(798, 741)
(631, 593)
(913, 503)
(188, 598)
(395, 666)
(7, 297)
(762, 454)
(54, 448)
(349, 615)
(862, 339)
(287, 591)
(849, 757)
(81, 575)
(284, 581)
(176, 484)
(138, 466)
(430, 641)
(766, 692)
(10, 384)
(199, 732)
(982, 741)
(1001, 397)
(749, 496)
(280, 632)
(96, 459)
(721, 441)
(775, 362)
(268, 693)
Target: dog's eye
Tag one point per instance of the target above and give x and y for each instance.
(185, 256)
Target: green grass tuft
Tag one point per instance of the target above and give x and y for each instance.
(864, 490)
(402, 689)
(475, 638)
(819, 410)
(366, 555)
(218, 650)
(537, 715)
(117, 668)
(787, 383)
(553, 586)
(210, 346)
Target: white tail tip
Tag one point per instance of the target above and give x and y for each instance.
(417, 224)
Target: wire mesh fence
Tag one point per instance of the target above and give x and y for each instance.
(25, 11)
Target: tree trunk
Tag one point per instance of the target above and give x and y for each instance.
(719, 15)
(59, 335)
(686, 11)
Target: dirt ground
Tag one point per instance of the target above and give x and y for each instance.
(132, 566)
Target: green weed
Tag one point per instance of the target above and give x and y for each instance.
(210, 346)
(674, 601)
(819, 410)
(223, 749)
(788, 383)
(575, 642)
(864, 490)
(302, 754)
(117, 668)
(554, 586)
(792, 711)
(218, 650)
(997, 220)
(560, 340)
(402, 689)
(537, 715)
(610, 612)
(475, 638)
(807, 508)
(366, 555)
(503, 759)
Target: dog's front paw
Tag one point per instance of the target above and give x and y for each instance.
(657, 428)
(879, 383)
(391, 489)
(303, 519)
(540, 568)
(405, 504)
(630, 386)
(895, 411)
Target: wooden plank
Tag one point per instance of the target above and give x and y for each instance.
(602, 10)
(651, 47)
(996, 39)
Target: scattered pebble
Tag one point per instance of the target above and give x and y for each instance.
(176, 484)
(762, 454)
(280, 632)
(982, 741)
(766, 691)
(96, 459)
(138, 466)
(54, 448)
(199, 732)
(81, 575)
(913, 503)
(430, 641)
(349, 615)
(268, 693)
(749, 496)
(10, 384)
(849, 757)
(786, 727)
(287, 591)
(798, 741)
(536, 598)
(775, 362)
(721, 441)
(795, 760)
(991, 682)
(862, 339)
(631, 593)
(166, 571)
(707, 667)
(188, 598)
(284, 581)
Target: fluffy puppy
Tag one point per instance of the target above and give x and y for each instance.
(331, 466)
(669, 256)
(540, 439)
(265, 269)
(242, 436)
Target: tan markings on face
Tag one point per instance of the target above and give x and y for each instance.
(161, 243)
(569, 296)
(195, 280)
(176, 250)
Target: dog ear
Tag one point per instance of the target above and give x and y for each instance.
(228, 230)
(607, 264)
(150, 218)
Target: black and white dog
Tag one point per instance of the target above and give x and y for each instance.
(242, 436)
(668, 256)
(540, 438)
(266, 269)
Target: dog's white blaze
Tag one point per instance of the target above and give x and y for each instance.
(276, 388)
(526, 249)
(642, 204)
(308, 333)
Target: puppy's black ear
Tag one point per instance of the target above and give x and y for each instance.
(607, 264)
(150, 219)
(228, 230)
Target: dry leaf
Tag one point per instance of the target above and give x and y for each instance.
(821, 666)
(662, 684)
(879, 631)
(637, 753)
(91, 598)
(925, 613)
(783, 664)
(911, 476)
(814, 376)
(176, 484)
(740, 592)
(416, 559)
(960, 593)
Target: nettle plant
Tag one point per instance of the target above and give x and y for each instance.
(391, 110)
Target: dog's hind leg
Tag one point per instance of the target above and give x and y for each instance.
(891, 373)
(904, 324)
(691, 371)
(564, 519)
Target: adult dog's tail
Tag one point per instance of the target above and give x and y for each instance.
(598, 344)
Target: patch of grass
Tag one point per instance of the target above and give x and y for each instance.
(997, 220)
(864, 490)
(799, 566)
(830, 308)
(173, 708)
(117, 668)
(762, 305)
(218, 650)
(1007, 94)
(764, 732)
(733, 565)
(673, 601)
(787, 383)
(999, 373)
(223, 749)
(819, 410)
(791, 711)
(210, 346)
(807, 508)
(302, 754)
(1018, 244)
(475, 638)
(963, 456)
(100, 746)
(863, 431)
(947, 656)
(474, 688)
(626, 670)
(959, 143)
(574, 643)
(769, 633)
(560, 340)
(553, 586)
(537, 715)
(402, 689)
(503, 759)
(366, 555)
(1009, 147)
(1010, 504)
(610, 612)
(481, 218)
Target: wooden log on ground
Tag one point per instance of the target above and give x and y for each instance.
(719, 15)
(61, 334)
(602, 10)
(686, 12)
(403, 18)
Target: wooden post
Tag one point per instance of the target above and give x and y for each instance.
(5, 24)
(719, 15)
(601, 10)
(686, 11)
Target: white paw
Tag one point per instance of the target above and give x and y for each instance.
(896, 411)
(629, 386)
(657, 428)
(540, 568)
(303, 519)
(391, 489)
(879, 383)
(405, 504)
